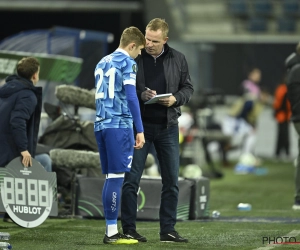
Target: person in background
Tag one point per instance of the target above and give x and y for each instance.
(293, 94)
(117, 107)
(20, 111)
(241, 121)
(162, 69)
(40, 155)
(282, 114)
(250, 86)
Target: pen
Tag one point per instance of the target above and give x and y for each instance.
(147, 88)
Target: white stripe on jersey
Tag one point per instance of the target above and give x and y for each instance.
(130, 81)
(109, 176)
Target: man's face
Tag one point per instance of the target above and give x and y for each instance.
(155, 42)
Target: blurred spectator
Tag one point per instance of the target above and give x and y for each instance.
(282, 114)
(251, 86)
(240, 123)
(243, 115)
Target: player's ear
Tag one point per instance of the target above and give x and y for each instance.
(165, 39)
(34, 76)
(132, 46)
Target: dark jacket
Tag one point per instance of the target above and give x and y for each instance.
(178, 82)
(293, 84)
(20, 112)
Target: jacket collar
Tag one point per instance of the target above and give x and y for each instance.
(27, 83)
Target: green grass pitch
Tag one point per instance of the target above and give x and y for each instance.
(271, 197)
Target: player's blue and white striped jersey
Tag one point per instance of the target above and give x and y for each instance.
(111, 74)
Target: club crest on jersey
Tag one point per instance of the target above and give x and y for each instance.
(134, 68)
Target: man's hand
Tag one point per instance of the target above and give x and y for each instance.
(148, 94)
(168, 102)
(139, 141)
(26, 161)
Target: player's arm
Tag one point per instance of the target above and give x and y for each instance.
(133, 105)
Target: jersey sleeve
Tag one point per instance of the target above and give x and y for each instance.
(129, 72)
(129, 80)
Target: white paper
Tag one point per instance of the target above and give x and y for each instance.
(157, 97)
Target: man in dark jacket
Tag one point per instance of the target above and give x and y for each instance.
(20, 111)
(293, 94)
(161, 70)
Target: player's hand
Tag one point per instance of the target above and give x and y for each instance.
(139, 141)
(167, 102)
(26, 161)
(148, 94)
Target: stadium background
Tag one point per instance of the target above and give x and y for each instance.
(219, 46)
(222, 39)
(238, 34)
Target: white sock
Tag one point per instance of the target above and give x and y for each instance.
(111, 230)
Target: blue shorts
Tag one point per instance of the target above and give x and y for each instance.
(115, 149)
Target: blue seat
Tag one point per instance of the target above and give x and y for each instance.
(286, 25)
(262, 7)
(291, 7)
(238, 8)
(257, 24)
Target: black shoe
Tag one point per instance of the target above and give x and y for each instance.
(172, 237)
(118, 239)
(132, 234)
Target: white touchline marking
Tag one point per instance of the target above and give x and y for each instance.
(293, 233)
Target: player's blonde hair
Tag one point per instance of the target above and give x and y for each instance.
(132, 35)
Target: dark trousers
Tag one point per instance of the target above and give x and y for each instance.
(297, 171)
(166, 144)
(283, 140)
